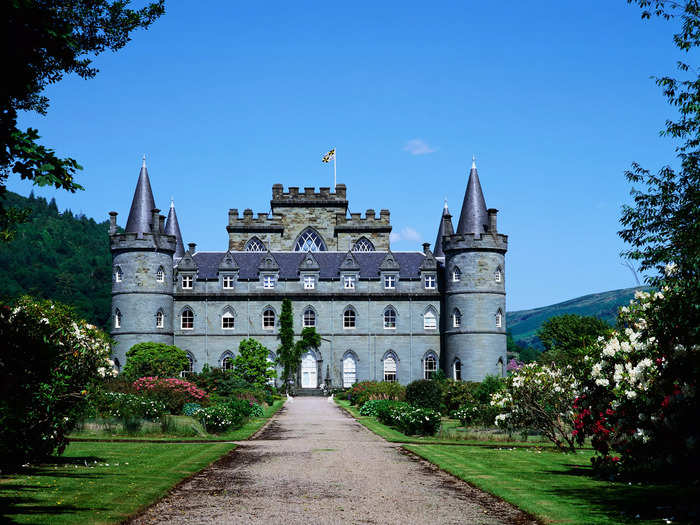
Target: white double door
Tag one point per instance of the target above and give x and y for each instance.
(309, 373)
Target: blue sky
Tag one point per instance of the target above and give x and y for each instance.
(226, 98)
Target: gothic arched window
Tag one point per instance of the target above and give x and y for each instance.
(160, 275)
(227, 360)
(190, 361)
(429, 366)
(117, 318)
(349, 318)
(309, 241)
(498, 275)
(268, 319)
(255, 245)
(228, 320)
(349, 370)
(456, 274)
(187, 319)
(429, 320)
(363, 244)
(456, 318)
(457, 370)
(390, 317)
(499, 319)
(390, 367)
(309, 318)
(118, 274)
(159, 319)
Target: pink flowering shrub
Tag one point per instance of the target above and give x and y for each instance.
(514, 364)
(173, 392)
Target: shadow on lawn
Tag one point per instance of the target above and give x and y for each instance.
(631, 501)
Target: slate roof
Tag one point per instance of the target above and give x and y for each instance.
(172, 227)
(474, 217)
(140, 214)
(329, 263)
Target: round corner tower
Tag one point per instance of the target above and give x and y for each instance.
(142, 275)
(475, 298)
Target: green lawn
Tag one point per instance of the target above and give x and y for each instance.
(101, 482)
(558, 487)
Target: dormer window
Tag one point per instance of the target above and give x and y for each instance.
(430, 282)
(227, 282)
(160, 275)
(349, 282)
(309, 282)
(389, 282)
(268, 282)
(118, 275)
(456, 275)
(187, 281)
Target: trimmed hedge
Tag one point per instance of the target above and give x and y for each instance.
(424, 393)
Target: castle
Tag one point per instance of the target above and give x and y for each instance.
(382, 315)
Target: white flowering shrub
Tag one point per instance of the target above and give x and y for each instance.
(538, 397)
(638, 404)
(50, 361)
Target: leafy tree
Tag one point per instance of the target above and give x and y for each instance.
(287, 351)
(565, 337)
(251, 364)
(154, 359)
(43, 40)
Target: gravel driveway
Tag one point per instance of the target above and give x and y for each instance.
(315, 464)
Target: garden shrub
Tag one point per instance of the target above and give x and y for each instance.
(225, 384)
(129, 409)
(251, 364)
(456, 394)
(424, 393)
(50, 362)
(374, 406)
(217, 418)
(189, 409)
(172, 392)
(154, 359)
(367, 390)
(410, 420)
(256, 410)
(240, 408)
(468, 414)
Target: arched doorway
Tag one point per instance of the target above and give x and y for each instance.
(309, 373)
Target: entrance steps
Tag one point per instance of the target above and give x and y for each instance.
(309, 392)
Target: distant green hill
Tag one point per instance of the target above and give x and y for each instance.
(58, 255)
(524, 323)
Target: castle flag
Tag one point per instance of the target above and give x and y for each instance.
(329, 156)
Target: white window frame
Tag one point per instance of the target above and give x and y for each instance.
(312, 318)
(389, 373)
(390, 282)
(499, 319)
(309, 282)
(227, 362)
(498, 277)
(430, 314)
(348, 282)
(268, 282)
(187, 282)
(182, 319)
(456, 318)
(267, 318)
(117, 318)
(430, 358)
(160, 319)
(456, 275)
(387, 318)
(118, 275)
(454, 370)
(227, 282)
(160, 275)
(190, 360)
(347, 318)
(430, 282)
(349, 372)
(225, 317)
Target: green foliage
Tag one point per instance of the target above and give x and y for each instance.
(364, 391)
(50, 360)
(287, 351)
(410, 420)
(374, 406)
(456, 394)
(189, 409)
(565, 338)
(58, 256)
(43, 41)
(223, 385)
(256, 410)
(424, 393)
(251, 364)
(225, 416)
(154, 359)
(129, 409)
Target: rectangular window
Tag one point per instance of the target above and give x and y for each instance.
(187, 282)
(228, 322)
(268, 282)
(309, 282)
(430, 282)
(228, 282)
(390, 282)
(349, 282)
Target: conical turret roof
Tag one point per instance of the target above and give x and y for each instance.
(444, 229)
(140, 215)
(172, 227)
(474, 218)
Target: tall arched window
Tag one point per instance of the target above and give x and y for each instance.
(429, 320)
(309, 241)
(159, 319)
(309, 317)
(190, 361)
(254, 245)
(499, 367)
(118, 275)
(457, 370)
(117, 365)
(390, 318)
(349, 318)
(187, 319)
(456, 274)
(499, 319)
(117, 318)
(363, 244)
(227, 361)
(268, 319)
(390, 368)
(349, 370)
(429, 366)
(228, 320)
(160, 275)
(456, 318)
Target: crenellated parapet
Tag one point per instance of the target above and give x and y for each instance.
(369, 223)
(155, 240)
(309, 197)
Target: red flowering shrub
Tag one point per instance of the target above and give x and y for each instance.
(369, 390)
(174, 393)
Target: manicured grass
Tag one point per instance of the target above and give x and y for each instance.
(101, 482)
(558, 487)
(247, 430)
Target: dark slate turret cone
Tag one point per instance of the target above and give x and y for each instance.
(142, 206)
(474, 217)
(444, 229)
(172, 227)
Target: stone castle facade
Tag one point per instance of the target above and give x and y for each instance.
(382, 315)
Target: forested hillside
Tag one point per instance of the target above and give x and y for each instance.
(59, 256)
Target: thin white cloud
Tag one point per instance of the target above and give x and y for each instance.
(418, 147)
(406, 234)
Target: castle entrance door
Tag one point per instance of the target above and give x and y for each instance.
(309, 378)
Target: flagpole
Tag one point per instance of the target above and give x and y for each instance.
(335, 156)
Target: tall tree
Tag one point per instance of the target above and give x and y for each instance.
(565, 337)
(251, 364)
(43, 40)
(286, 353)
